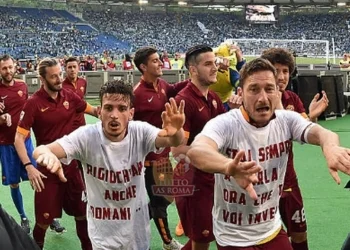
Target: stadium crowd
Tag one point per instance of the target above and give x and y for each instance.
(26, 35)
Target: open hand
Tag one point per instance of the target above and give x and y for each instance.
(173, 118)
(316, 106)
(338, 159)
(244, 173)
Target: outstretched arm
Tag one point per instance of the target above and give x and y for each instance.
(338, 158)
(49, 155)
(205, 156)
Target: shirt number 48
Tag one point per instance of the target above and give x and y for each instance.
(299, 216)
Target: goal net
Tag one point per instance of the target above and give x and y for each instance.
(302, 48)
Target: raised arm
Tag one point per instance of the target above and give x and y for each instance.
(172, 134)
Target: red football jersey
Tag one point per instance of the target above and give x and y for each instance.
(50, 118)
(14, 98)
(79, 87)
(291, 101)
(150, 103)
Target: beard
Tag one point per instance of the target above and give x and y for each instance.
(7, 78)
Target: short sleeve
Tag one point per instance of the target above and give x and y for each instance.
(297, 124)
(27, 116)
(215, 130)
(74, 144)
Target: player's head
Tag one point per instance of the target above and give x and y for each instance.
(200, 62)
(116, 108)
(147, 61)
(72, 68)
(7, 69)
(50, 73)
(259, 90)
(283, 61)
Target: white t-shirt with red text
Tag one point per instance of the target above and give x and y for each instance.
(238, 220)
(117, 209)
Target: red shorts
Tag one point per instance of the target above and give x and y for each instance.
(280, 242)
(195, 211)
(57, 195)
(292, 211)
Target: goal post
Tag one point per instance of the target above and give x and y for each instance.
(302, 47)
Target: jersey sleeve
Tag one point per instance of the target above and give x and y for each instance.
(215, 130)
(79, 104)
(298, 105)
(173, 89)
(298, 125)
(27, 117)
(74, 144)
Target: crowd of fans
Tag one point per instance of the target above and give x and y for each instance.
(170, 31)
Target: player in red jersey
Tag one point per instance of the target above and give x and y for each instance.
(291, 202)
(51, 113)
(202, 105)
(13, 95)
(77, 85)
(151, 94)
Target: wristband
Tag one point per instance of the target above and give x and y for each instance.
(27, 164)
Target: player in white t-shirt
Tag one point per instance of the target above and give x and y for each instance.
(256, 139)
(112, 152)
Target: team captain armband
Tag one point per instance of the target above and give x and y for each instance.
(22, 131)
(89, 108)
(306, 132)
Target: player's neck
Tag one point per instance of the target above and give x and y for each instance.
(72, 80)
(150, 79)
(203, 89)
(7, 84)
(52, 94)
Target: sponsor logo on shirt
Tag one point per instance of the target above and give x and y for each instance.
(200, 109)
(44, 109)
(149, 100)
(4, 97)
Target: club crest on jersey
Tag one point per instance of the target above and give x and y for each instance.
(163, 92)
(215, 104)
(46, 215)
(66, 104)
(290, 107)
(20, 93)
(82, 89)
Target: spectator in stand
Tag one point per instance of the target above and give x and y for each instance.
(127, 63)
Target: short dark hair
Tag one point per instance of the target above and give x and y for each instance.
(118, 87)
(141, 56)
(256, 65)
(6, 57)
(280, 56)
(46, 63)
(71, 59)
(193, 52)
